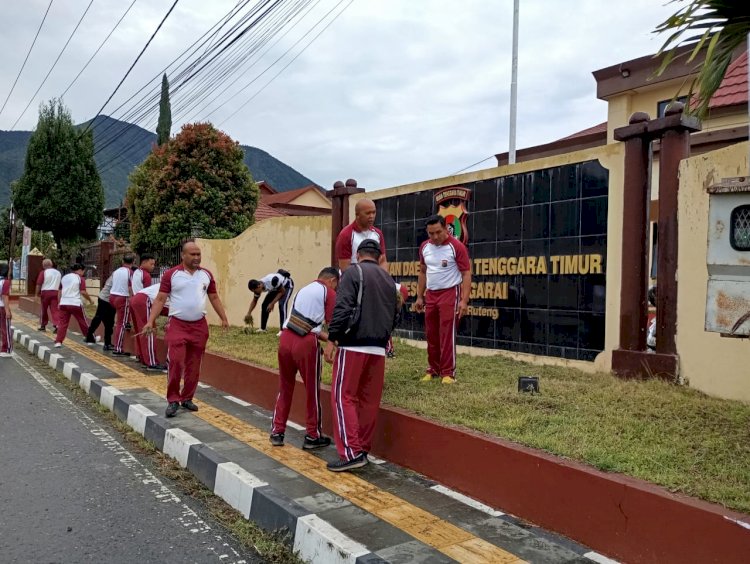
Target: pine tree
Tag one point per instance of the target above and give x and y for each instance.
(165, 113)
(60, 190)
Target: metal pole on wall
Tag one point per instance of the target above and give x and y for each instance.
(513, 88)
(12, 219)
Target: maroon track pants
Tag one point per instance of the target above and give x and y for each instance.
(66, 312)
(355, 399)
(122, 307)
(145, 345)
(298, 354)
(441, 322)
(186, 343)
(6, 335)
(49, 303)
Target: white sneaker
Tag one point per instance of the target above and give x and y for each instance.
(260, 330)
(5, 355)
(58, 345)
(97, 338)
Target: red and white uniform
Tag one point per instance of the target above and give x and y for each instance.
(187, 329)
(6, 335)
(140, 307)
(119, 298)
(71, 305)
(48, 282)
(351, 236)
(141, 279)
(315, 302)
(444, 265)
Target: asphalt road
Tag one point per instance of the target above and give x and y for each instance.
(71, 492)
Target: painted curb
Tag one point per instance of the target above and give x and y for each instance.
(316, 540)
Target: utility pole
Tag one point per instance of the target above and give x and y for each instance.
(12, 241)
(513, 88)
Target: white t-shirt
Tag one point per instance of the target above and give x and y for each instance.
(72, 286)
(136, 281)
(187, 292)
(444, 263)
(151, 291)
(314, 301)
(52, 278)
(273, 281)
(121, 282)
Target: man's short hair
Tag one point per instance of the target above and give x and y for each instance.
(329, 272)
(254, 285)
(77, 266)
(3, 270)
(128, 259)
(433, 219)
(146, 256)
(369, 248)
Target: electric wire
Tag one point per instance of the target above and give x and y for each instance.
(475, 164)
(49, 72)
(98, 49)
(27, 56)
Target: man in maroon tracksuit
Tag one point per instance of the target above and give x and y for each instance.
(187, 286)
(6, 335)
(359, 365)
(443, 289)
(48, 286)
(72, 289)
(299, 350)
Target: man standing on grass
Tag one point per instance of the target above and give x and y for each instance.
(443, 288)
(105, 314)
(48, 286)
(364, 316)
(140, 306)
(299, 350)
(6, 336)
(73, 287)
(119, 297)
(187, 286)
(142, 275)
(279, 286)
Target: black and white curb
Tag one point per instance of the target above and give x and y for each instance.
(314, 539)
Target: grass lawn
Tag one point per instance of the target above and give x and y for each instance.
(669, 435)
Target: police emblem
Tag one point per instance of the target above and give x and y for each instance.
(451, 204)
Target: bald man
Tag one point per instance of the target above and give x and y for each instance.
(362, 228)
(187, 286)
(47, 286)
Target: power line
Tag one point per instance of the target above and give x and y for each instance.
(98, 49)
(475, 164)
(131, 66)
(53, 64)
(27, 56)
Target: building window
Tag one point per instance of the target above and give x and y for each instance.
(739, 235)
(661, 107)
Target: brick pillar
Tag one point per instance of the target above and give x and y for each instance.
(340, 210)
(106, 248)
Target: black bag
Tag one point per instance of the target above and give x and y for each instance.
(357, 311)
(284, 273)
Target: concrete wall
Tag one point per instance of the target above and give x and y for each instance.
(299, 244)
(711, 363)
(611, 157)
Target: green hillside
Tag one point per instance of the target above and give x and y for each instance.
(122, 146)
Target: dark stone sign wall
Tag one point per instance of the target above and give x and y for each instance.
(538, 244)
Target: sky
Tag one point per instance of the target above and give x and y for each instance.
(392, 92)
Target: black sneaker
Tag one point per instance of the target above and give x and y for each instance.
(189, 405)
(391, 354)
(343, 465)
(156, 368)
(54, 329)
(128, 326)
(42, 329)
(277, 439)
(310, 443)
(120, 353)
(108, 348)
(172, 409)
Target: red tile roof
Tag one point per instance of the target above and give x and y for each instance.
(286, 197)
(733, 89)
(600, 128)
(264, 211)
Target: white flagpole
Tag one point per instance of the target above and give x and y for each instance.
(513, 88)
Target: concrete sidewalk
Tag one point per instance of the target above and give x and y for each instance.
(381, 513)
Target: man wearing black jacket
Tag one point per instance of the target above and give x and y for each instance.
(356, 346)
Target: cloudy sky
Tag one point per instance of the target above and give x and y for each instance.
(394, 91)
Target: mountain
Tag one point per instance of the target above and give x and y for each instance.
(121, 146)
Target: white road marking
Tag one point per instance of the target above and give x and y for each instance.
(238, 401)
(468, 501)
(744, 524)
(293, 425)
(204, 386)
(600, 558)
(375, 459)
(187, 516)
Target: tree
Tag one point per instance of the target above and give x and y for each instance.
(60, 190)
(164, 126)
(197, 184)
(719, 27)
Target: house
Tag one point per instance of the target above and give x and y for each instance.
(308, 200)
